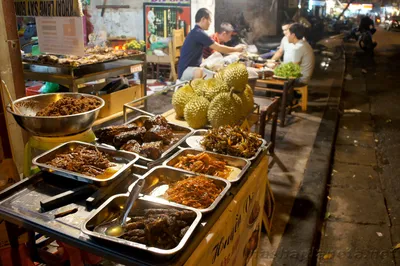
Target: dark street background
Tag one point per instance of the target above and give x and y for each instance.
(362, 220)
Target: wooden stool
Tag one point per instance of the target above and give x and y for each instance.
(304, 96)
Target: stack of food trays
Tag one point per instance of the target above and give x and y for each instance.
(191, 182)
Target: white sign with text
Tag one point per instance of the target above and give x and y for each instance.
(60, 35)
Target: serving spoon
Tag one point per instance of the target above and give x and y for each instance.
(116, 227)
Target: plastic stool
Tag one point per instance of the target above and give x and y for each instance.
(43, 144)
(304, 97)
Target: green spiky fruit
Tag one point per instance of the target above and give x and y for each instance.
(182, 97)
(213, 87)
(236, 76)
(247, 99)
(196, 112)
(198, 86)
(225, 109)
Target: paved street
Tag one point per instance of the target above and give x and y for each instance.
(362, 220)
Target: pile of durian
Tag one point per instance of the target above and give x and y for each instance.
(222, 100)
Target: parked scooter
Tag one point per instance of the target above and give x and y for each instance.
(332, 46)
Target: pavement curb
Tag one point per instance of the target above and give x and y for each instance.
(300, 240)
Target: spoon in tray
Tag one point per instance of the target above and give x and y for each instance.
(116, 227)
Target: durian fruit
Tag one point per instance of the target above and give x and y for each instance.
(213, 87)
(225, 109)
(198, 86)
(235, 75)
(247, 98)
(196, 112)
(180, 98)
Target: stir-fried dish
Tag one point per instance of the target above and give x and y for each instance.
(69, 106)
(197, 192)
(203, 163)
(83, 160)
(233, 141)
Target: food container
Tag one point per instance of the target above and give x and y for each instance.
(179, 132)
(153, 185)
(52, 126)
(194, 142)
(111, 209)
(241, 163)
(117, 157)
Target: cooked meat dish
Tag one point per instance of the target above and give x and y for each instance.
(233, 141)
(158, 133)
(147, 139)
(69, 106)
(203, 163)
(106, 134)
(150, 150)
(197, 192)
(82, 160)
(132, 146)
(92, 56)
(124, 137)
(157, 120)
(161, 228)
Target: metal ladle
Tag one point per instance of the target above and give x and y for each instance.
(116, 227)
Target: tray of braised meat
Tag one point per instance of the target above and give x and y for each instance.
(86, 162)
(167, 184)
(160, 228)
(209, 163)
(150, 137)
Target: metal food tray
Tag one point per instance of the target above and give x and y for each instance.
(118, 157)
(241, 163)
(202, 132)
(27, 62)
(179, 131)
(175, 175)
(111, 209)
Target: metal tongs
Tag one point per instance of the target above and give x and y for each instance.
(116, 227)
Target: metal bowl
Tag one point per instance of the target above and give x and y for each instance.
(52, 126)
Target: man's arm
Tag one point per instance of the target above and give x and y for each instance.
(278, 54)
(226, 49)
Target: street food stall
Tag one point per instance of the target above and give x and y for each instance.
(82, 186)
(194, 155)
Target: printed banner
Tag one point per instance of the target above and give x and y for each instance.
(235, 237)
(48, 8)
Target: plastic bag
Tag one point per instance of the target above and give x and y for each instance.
(49, 87)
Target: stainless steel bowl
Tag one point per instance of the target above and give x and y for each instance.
(52, 126)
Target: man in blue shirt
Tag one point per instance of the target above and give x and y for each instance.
(192, 49)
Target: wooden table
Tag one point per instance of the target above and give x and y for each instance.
(286, 91)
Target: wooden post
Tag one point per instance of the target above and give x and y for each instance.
(12, 73)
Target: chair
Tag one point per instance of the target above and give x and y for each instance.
(178, 37)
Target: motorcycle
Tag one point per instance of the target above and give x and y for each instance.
(332, 46)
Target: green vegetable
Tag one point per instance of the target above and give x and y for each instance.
(288, 70)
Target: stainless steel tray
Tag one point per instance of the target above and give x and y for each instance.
(117, 157)
(180, 132)
(111, 209)
(241, 163)
(174, 175)
(202, 132)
